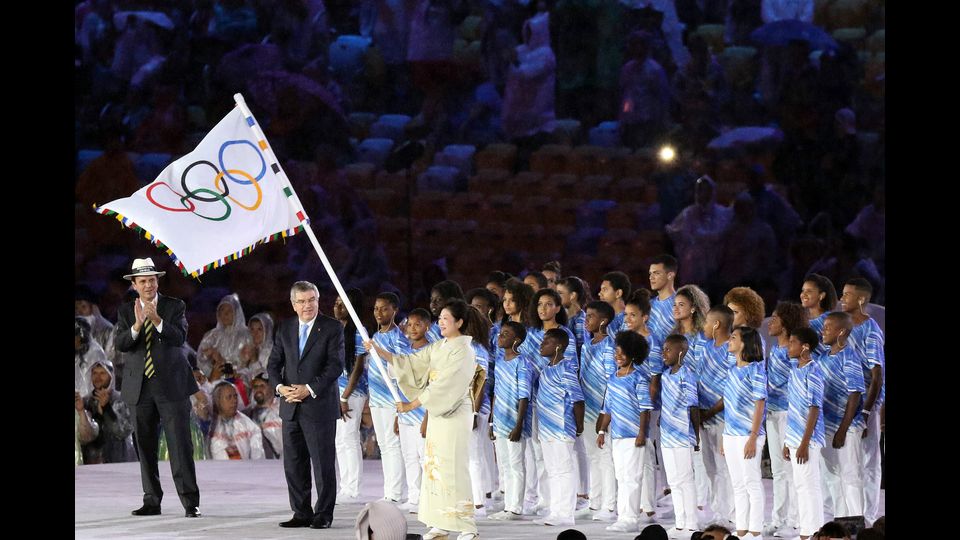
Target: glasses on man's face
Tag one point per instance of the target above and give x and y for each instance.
(308, 301)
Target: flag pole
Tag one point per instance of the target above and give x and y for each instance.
(293, 200)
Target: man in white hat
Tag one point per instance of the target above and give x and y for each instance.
(157, 384)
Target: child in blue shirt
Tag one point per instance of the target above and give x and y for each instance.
(680, 431)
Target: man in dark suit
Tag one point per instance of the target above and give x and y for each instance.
(306, 360)
(157, 384)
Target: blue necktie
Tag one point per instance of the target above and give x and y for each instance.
(303, 336)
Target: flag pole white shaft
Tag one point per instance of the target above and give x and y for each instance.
(294, 202)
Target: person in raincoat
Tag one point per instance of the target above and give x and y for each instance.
(222, 344)
(87, 351)
(697, 231)
(114, 443)
(85, 429)
(232, 434)
(265, 411)
(529, 97)
(86, 306)
(254, 356)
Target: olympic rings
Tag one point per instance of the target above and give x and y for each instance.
(221, 191)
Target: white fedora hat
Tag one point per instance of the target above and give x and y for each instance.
(143, 267)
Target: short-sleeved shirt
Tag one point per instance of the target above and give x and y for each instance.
(616, 325)
(842, 375)
(575, 324)
(433, 333)
(745, 386)
(694, 355)
(678, 392)
(653, 365)
(626, 398)
(515, 383)
(361, 387)
(778, 374)
(482, 356)
(817, 325)
(596, 366)
(661, 316)
(868, 338)
(804, 390)
(559, 390)
(531, 344)
(394, 342)
(714, 364)
(495, 357)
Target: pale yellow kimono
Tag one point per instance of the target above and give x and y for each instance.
(439, 375)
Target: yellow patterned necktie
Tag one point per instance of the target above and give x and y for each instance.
(148, 368)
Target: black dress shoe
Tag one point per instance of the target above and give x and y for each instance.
(193, 512)
(147, 510)
(296, 522)
(320, 523)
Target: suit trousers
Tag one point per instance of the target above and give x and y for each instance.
(308, 441)
(350, 447)
(174, 416)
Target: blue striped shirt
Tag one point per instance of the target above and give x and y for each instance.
(654, 365)
(559, 390)
(661, 316)
(679, 393)
(616, 325)
(394, 342)
(433, 333)
(694, 354)
(868, 340)
(745, 386)
(715, 362)
(414, 417)
(482, 356)
(596, 366)
(516, 383)
(778, 374)
(575, 324)
(496, 356)
(361, 388)
(817, 325)
(842, 375)
(531, 345)
(626, 398)
(804, 390)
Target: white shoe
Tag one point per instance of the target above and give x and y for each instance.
(480, 512)
(582, 503)
(498, 495)
(605, 515)
(406, 506)
(347, 498)
(583, 512)
(679, 534)
(644, 519)
(559, 522)
(435, 533)
(504, 516)
(468, 536)
(623, 526)
(770, 527)
(787, 531)
(389, 500)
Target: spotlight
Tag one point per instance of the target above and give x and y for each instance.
(667, 153)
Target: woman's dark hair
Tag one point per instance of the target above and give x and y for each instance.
(791, 314)
(355, 296)
(752, 346)
(823, 283)
(576, 285)
(561, 317)
(474, 325)
(498, 277)
(522, 294)
(750, 303)
(448, 290)
(806, 336)
(641, 299)
(541, 279)
(633, 345)
(487, 295)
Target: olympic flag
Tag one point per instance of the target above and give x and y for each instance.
(217, 203)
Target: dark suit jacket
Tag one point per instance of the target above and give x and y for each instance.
(320, 366)
(169, 358)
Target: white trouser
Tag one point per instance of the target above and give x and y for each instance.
(659, 470)
(478, 466)
(603, 480)
(784, 501)
(492, 480)
(560, 459)
(678, 463)
(390, 455)
(700, 478)
(510, 455)
(847, 464)
(412, 448)
(627, 459)
(809, 497)
(829, 486)
(648, 476)
(350, 447)
(721, 490)
(871, 467)
(537, 488)
(583, 465)
(747, 485)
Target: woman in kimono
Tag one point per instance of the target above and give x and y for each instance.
(439, 378)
